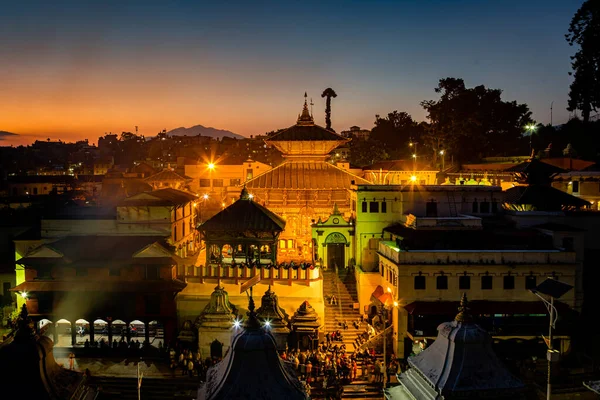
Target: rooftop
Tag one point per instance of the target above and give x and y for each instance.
(305, 175)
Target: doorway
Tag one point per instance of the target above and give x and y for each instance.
(336, 256)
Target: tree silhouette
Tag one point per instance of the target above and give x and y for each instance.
(329, 93)
(584, 31)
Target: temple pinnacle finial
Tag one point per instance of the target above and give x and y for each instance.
(252, 322)
(305, 117)
(463, 310)
(244, 195)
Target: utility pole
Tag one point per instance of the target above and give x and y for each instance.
(551, 113)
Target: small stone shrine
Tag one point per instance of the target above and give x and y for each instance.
(460, 364)
(305, 326)
(216, 321)
(252, 369)
(276, 317)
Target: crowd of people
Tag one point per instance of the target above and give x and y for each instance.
(329, 367)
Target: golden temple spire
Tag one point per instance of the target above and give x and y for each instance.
(305, 118)
(463, 310)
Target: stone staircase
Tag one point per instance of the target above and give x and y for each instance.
(343, 285)
(344, 288)
(182, 388)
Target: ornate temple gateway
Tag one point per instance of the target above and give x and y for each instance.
(305, 186)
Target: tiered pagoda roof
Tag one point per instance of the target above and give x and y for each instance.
(244, 215)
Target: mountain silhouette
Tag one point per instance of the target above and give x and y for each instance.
(5, 133)
(204, 131)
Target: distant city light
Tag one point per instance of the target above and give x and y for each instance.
(395, 304)
(414, 156)
(389, 290)
(441, 152)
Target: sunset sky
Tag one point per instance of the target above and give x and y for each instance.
(71, 71)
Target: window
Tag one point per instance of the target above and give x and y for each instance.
(204, 182)
(575, 186)
(431, 209)
(81, 271)
(249, 174)
(235, 182)
(290, 244)
(568, 243)
(384, 207)
(114, 272)
(464, 282)
(217, 182)
(530, 282)
(354, 205)
(364, 206)
(152, 304)
(152, 272)
(486, 282)
(442, 282)
(419, 282)
(485, 207)
(509, 282)
(373, 207)
(282, 243)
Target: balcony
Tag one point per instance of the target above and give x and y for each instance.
(459, 222)
(282, 273)
(390, 251)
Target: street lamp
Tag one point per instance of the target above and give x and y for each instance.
(442, 153)
(553, 289)
(384, 313)
(530, 128)
(414, 156)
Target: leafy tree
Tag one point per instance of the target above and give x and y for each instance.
(470, 123)
(584, 32)
(395, 132)
(366, 152)
(328, 93)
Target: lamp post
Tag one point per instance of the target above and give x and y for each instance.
(531, 128)
(414, 155)
(443, 153)
(384, 312)
(553, 289)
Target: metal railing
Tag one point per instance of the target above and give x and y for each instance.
(373, 340)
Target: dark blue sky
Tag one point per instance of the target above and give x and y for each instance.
(78, 70)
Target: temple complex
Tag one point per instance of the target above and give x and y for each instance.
(305, 186)
(242, 243)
